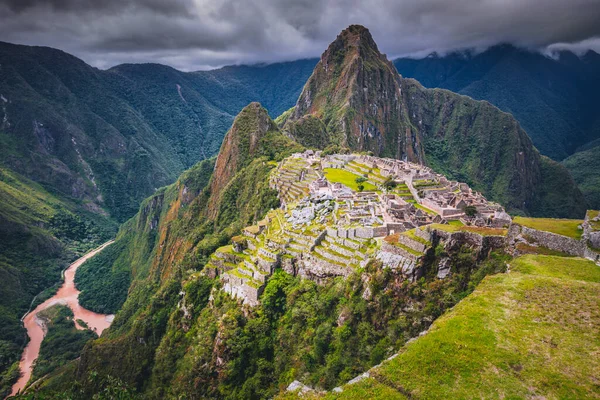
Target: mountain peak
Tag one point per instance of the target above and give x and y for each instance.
(355, 92)
(357, 35)
(354, 40)
(241, 144)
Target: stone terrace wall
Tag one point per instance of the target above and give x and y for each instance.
(549, 240)
(472, 239)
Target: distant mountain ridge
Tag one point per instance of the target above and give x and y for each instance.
(553, 98)
(110, 138)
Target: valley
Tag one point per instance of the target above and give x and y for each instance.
(36, 328)
(378, 239)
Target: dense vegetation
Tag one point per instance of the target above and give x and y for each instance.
(103, 282)
(530, 333)
(63, 341)
(583, 166)
(40, 233)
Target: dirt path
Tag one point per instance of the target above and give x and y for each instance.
(36, 329)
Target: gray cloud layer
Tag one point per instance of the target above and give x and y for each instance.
(199, 34)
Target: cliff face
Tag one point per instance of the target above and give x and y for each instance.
(356, 98)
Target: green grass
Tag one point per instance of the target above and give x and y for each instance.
(455, 222)
(336, 175)
(573, 268)
(594, 224)
(484, 231)
(531, 333)
(525, 248)
(564, 227)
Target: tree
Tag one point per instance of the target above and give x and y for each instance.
(360, 179)
(360, 187)
(470, 211)
(389, 183)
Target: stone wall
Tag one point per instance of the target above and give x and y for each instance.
(423, 234)
(413, 244)
(549, 240)
(320, 271)
(398, 251)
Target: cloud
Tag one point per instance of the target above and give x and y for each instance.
(199, 34)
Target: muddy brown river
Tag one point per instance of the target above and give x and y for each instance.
(66, 295)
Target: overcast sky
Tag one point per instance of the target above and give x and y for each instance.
(202, 34)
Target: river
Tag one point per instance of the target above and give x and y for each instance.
(66, 295)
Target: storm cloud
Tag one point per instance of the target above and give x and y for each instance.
(201, 34)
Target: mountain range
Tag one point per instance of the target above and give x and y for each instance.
(82, 148)
(553, 97)
(178, 333)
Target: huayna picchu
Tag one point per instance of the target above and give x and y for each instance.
(374, 228)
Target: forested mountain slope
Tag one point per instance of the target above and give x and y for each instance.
(110, 138)
(553, 98)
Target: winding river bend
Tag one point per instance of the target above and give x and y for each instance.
(66, 295)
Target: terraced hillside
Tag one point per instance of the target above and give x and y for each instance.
(338, 212)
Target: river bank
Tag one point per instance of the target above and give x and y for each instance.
(67, 295)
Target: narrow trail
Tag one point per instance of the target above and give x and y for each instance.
(36, 328)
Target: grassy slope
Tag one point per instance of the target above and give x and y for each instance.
(565, 227)
(531, 332)
(346, 178)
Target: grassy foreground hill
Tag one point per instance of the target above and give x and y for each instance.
(531, 332)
